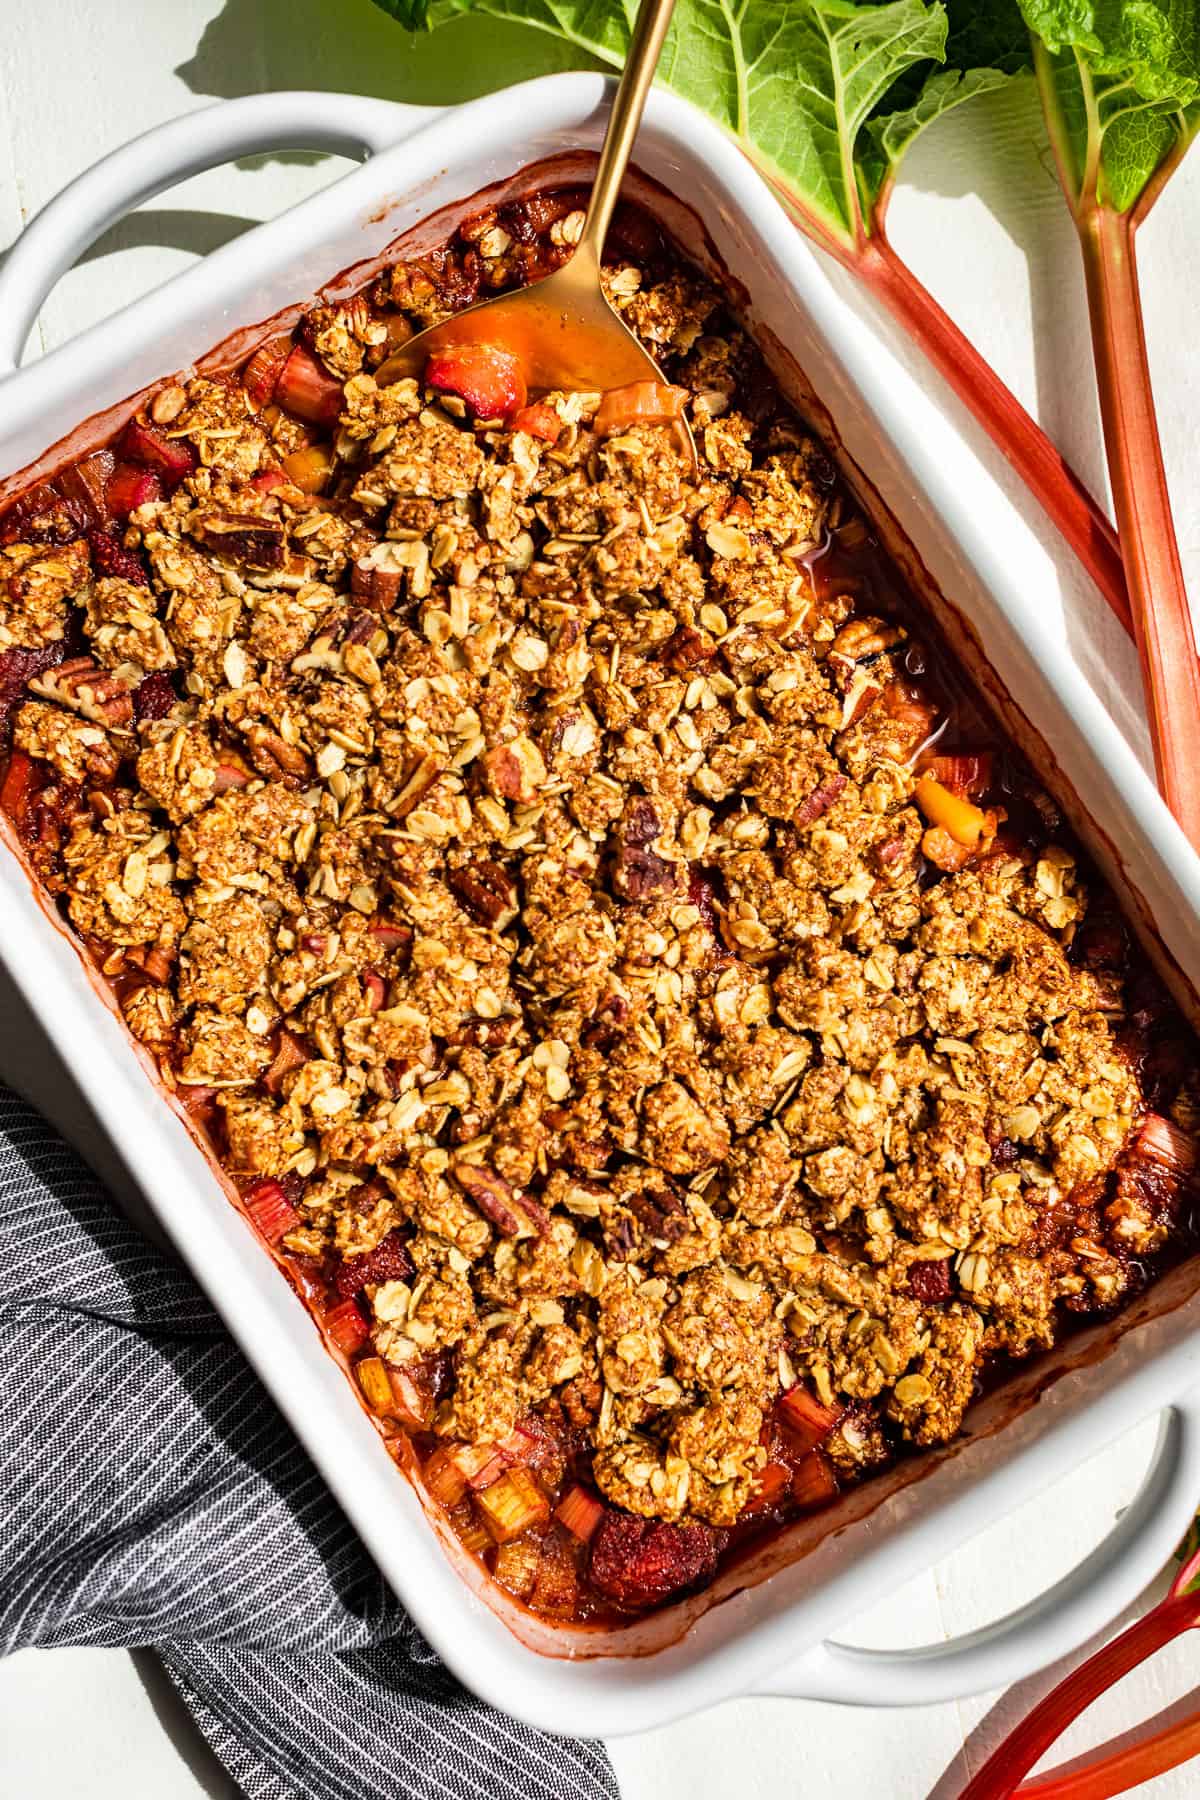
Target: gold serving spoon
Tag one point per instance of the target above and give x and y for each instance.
(562, 329)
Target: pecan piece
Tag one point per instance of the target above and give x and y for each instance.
(376, 577)
(243, 538)
(87, 689)
(816, 804)
(486, 891)
(514, 771)
(686, 647)
(640, 873)
(275, 759)
(511, 1212)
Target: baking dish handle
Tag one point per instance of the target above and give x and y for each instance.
(350, 124)
(1054, 1624)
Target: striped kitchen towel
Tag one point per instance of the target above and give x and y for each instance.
(150, 1494)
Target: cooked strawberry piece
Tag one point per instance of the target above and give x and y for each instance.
(271, 1210)
(131, 487)
(538, 421)
(347, 1327)
(110, 557)
(307, 390)
(41, 516)
(154, 696)
(388, 1261)
(267, 480)
(640, 1562)
(804, 1419)
(18, 667)
(814, 1483)
(169, 457)
(487, 378)
(929, 1282)
(639, 403)
(21, 782)
(260, 377)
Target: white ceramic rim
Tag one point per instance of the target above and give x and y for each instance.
(590, 1698)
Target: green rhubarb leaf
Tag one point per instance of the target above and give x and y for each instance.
(1121, 84)
(412, 14)
(795, 81)
(985, 47)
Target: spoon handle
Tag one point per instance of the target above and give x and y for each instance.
(649, 31)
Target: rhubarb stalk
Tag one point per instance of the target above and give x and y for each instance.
(1001, 1774)
(1120, 90)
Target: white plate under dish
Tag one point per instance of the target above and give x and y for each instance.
(748, 1634)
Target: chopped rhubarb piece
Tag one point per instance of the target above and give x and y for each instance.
(169, 457)
(474, 1535)
(271, 1210)
(411, 1404)
(372, 1373)
(513, 1505)
(813, 1482)
(639, 1562)
(539, 421)
(770, 1490)
(308, 469)
(1158, 1140)
(444, 1480)
(260, 377)
(968, 772)
(516, 1566)
(154, 696)
(130, 488)
(347, 1327)
(290, 1054)
(84, 488)
(307, 390)
(110, 557)
(806, 1421)
(21, 782)
(639, 403)
(487, 378)
(580, 1512)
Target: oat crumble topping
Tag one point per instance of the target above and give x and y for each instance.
(511, 844)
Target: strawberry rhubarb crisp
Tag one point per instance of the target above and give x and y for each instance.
(669, 1038)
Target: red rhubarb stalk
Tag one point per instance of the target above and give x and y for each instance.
(1162, 620)
(1001, 1774)
(1019, 438)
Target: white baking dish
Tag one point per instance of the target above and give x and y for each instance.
(771, 1636)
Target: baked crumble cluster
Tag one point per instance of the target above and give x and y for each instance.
(513, 844)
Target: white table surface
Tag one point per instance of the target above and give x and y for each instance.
(979, 217)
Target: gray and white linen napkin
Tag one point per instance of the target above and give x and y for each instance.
(150, 1494)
